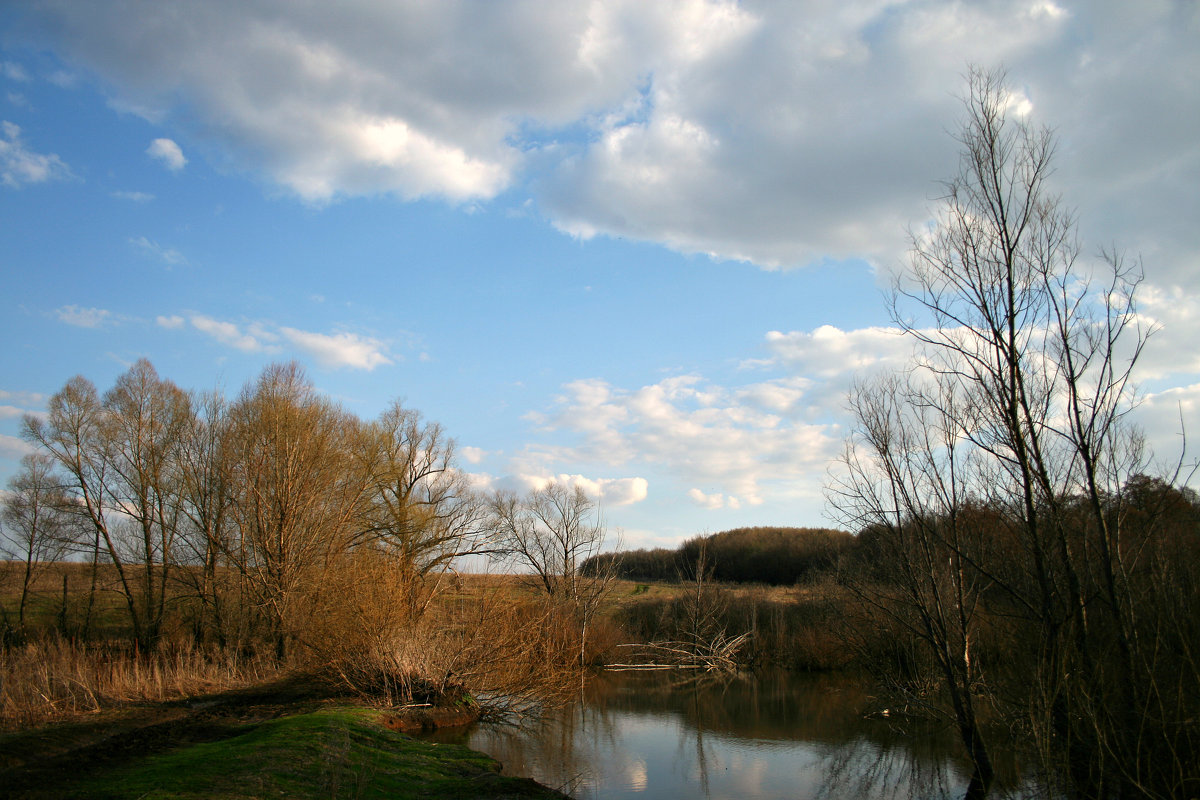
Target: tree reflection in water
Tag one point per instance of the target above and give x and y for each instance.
(779, 735)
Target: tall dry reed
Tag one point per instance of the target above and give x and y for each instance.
(51, 677)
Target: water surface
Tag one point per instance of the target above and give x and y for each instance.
(660, 735)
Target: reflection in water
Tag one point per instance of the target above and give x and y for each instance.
(657, 735)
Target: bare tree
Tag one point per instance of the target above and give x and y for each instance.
(552, 531)
(37, 529)
(1017, 405)
(119, 456)
(295, 491)
(72, 433)
(143, 429)
(418, 507)
(208, 495)
(907, 480)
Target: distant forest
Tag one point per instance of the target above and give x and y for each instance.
(769, 555)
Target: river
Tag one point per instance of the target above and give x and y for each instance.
(666, 735)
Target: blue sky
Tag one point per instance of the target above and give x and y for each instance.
(636, 246)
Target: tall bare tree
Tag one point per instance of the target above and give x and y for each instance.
(37, 526)
(552, 531)
(908, 481)
(418, 507)
(208, 494)
(119, 456)
(1017, 404)
(144, 424)
(72, 433)
(296, 493)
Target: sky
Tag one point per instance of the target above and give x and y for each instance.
(638, 247)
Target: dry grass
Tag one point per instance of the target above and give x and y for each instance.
(51, 678)
(797, 627)
(391, 636)
(398, 640)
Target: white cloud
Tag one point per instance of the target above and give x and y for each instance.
(340, 349)
(14, 447)
(228, 333)
(10, 412)
(24, 398)
(1170, 420)
(472, 455)
(83, 317)
(713, 501)
(697, 432)
(1171, 350)
(63, 79)
(608, 492)
(623, 491)
(136, 197)
(14, 71)
(167, 255)
(168, 152)
(332, 350)
(734, 445)
(20, 165)
(779, 133)
(827, 351)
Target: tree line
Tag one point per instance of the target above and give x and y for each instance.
(275, 517)
(776, 556)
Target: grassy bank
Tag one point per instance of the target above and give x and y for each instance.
(272, 742)
(95, 716)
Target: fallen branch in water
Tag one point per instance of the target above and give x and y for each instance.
(716, 655)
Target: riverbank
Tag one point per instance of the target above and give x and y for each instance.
(288, 739)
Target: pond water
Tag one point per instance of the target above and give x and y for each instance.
(653, 735)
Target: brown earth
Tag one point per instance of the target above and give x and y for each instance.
(424, 719)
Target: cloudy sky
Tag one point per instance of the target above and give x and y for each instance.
(639, 246)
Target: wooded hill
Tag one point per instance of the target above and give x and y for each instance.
(778, 556)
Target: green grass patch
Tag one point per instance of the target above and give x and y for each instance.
(331, 753)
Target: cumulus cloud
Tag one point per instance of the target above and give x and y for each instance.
(63, 79)
(1174, 314)
(776, 133)
(1169, 419)
(339, 349)
(606, 491)
(168, 152)
(332, 350)
(472, 455)
(23, 398)
(713, 501)
(19, 165)
(83, 317)
(739, 445)
(698, 432)
(230, 334)
(827, 351)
